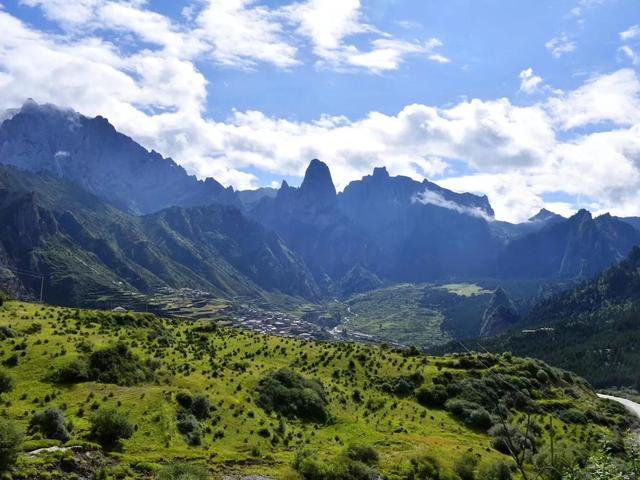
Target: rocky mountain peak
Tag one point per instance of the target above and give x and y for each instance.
(318, 182)
(543, 215)
(380, 172)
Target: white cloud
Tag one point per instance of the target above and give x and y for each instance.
(630, 54)
(631, 44)
(559, 46)
(631, 33)
(328, 24)
(603, 98)
(429, 197)
(244, 33)
(529, 82)
(155, 92)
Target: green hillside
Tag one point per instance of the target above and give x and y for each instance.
(592, 329)
(89, 252)
(236, 401)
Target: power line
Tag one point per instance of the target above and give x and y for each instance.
(28, 273)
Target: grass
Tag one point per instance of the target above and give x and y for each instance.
(227, 364)
(421, 315)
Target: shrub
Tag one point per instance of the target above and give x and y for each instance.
(434, 396)
(479, 418)
(425, 467)
(363, 453)
(10, 442)
(495, 471)
(183, 471)
(572, 415)
(518, 440)
(465, 466)
(51, 423)
(7, 332)
(200, 406)
(293, 396)
(109, 426)
(11, 361)
(74, 372)
(184, 399)
(311, 468)
(118, 365)
(542, 376)
(6, 382)
(189, 427)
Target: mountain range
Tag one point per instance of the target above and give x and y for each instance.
(592, 329)
(92, 210)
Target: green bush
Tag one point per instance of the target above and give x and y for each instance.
(7, 332)
(109, 426)
(434, 396)
(200, 406)
(183, 471)
(425, 467)
(465, 466)
(6, 382)
(363, 453)
(51, 423)
(3, 297)
(310, 468)
(479, 418)
(470, 413)
(572, 415)
(115, 364)
(293, 396)
(189, 427)
(10, 441)
(75, 371)
(495, 471)
(118, 365)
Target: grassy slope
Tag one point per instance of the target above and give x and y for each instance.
(415, 314)
(400, 430)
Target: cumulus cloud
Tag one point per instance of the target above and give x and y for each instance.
(529, 82)
(561, 45)
(429, 197)
(330, 25)
(611, 97)
(583, 142)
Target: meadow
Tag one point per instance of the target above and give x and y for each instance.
(389, 400)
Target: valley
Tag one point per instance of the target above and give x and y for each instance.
(394, 329)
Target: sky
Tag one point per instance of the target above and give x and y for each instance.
(535, 103)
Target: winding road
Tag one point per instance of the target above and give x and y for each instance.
(631, 406)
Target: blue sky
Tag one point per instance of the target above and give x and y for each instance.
(515, 99)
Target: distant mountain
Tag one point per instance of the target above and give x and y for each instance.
(91, 153)
(250, 198)
(423, 231)
(578, 247)
(309, 219)
(633, 221)
(507, 231)
(499, 316)
(592, 329)
(381, 229)
(88, 249)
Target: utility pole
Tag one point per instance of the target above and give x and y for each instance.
(28, 273)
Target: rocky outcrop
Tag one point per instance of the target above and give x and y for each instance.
(500, 315)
